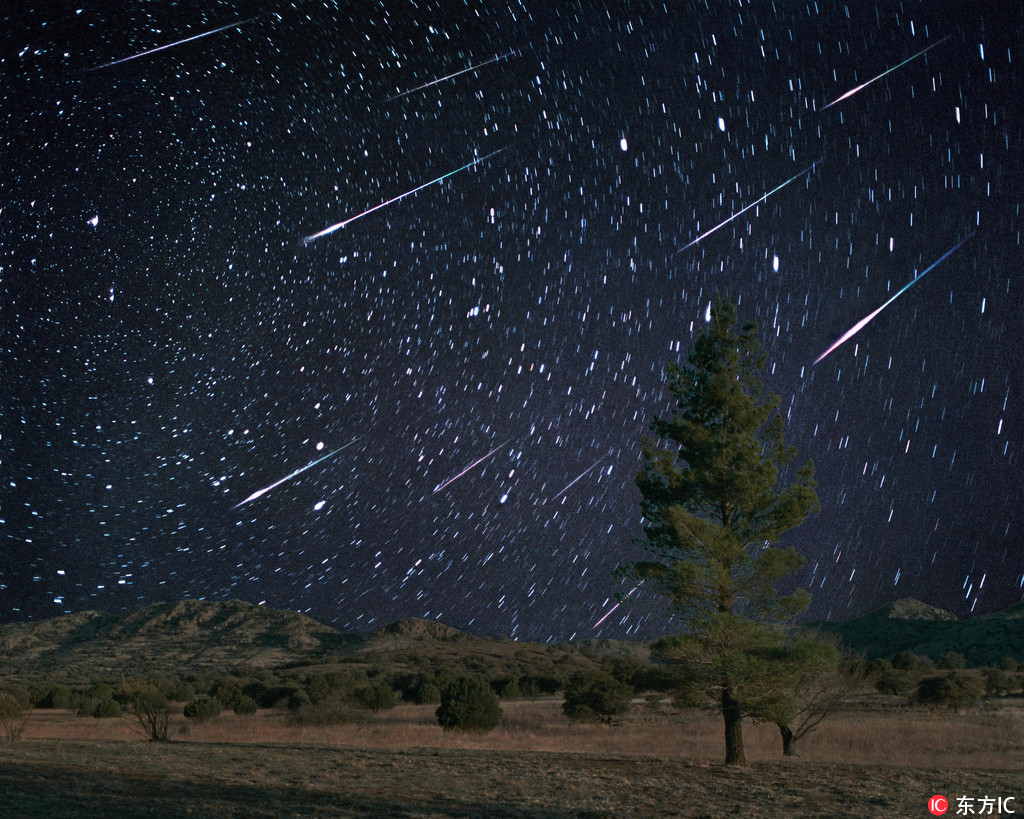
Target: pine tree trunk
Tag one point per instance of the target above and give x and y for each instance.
(788, 740)
(733, 716)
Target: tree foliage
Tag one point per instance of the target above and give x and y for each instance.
(713, 511)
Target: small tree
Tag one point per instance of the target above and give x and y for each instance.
(596, 696)
(151, 713)
(245, 706)
(712, 513)
(469, 704)
(814, 684)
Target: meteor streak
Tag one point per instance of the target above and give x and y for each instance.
(450, 76)
(853, 91)
(351, 219)
(863, 322)
(260, 492)
(584, 472)
(609, 612)
(178, 42)
(748, 207)
(464, 471)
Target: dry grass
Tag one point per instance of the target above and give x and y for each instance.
(989, 738)
(872, 762)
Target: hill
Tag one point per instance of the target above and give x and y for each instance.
(195, 636)
(915, 626)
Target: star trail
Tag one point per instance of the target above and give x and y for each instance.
(489, 324)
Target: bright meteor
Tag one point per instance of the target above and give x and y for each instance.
(578, 477)
(450, 76)
(862, 86)
(260, 492)
(739, 213)
(464, 471)
(178, 42)
(863, 322)
(306, 240)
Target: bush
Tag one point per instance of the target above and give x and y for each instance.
(951, 660)
(596, 696)
(246, 706)
(59, 696)
(1008, 664)
(203, 709)
(107, 709)
(955, 690)
(909, 661)
(894, 681)
(509, 690)
(12, 723)
(426, 693)
(298, 699)
(376, 697)
(998, 681)
(322, 687)
(152, 714)
(469, 704)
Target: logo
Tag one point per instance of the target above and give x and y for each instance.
(938, 805)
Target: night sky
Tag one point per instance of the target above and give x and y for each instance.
(173, 341)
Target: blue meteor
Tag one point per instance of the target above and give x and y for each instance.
(260, 492)
(863, 322)
(340, 225)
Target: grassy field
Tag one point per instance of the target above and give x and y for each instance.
(873, 761)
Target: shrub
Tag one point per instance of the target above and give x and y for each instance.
(298, 698)
(322, 687)
(509, 690)
(1008, 664)
(12, 723)
(596, 696)
(954, 690)
(426, 693)
(998, 681)
(152, 714)
(878, 666)
(107, 709)
(376, 697)
(897, 682)
(909, 661)
(59, 696)
(245, 706)
(951, 660)
(469, 704)
(203, 709)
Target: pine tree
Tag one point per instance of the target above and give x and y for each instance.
(712, 512)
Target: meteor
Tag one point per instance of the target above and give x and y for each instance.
(863, 322)
(464, 471)
(178, 42)
(306, 240)
(609, 612)
(450, 76)
(260, 492)
(584, 472)
(853, 91)
(748, 207)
